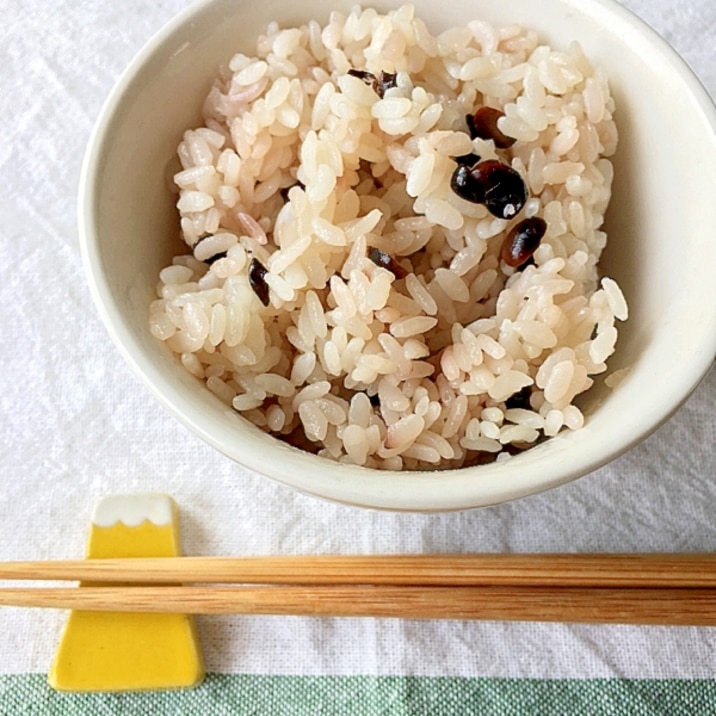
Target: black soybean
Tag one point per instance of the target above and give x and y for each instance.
(216, 257)
(496, 185)
(211, 259)
(530, 262)
(387, 81)
(522, 241)
(367, 77)
(483, 125)
(506, 192)
(521, 399)
(465, 186)
(381, 84)
(468, 160)
(257, 280)
(386, 261)
(471, 128)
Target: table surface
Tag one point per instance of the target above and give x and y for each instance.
(77, 430)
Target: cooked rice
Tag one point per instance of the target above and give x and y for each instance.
(302, 167)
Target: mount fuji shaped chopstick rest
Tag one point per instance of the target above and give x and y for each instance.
(116, 651)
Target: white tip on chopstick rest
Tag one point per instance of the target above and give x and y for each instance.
(114, 651)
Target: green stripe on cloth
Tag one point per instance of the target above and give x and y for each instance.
(244, 695)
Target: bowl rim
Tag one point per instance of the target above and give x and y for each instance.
(428, 491)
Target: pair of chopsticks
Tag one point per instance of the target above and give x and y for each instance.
(667, 589)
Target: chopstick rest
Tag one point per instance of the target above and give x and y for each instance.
(116, 651)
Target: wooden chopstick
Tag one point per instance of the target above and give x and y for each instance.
(668, 589)
(680, 607)
(653, 570)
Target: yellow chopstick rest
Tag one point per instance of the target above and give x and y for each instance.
(114, 651)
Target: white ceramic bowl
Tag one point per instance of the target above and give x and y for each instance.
(661, 239)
